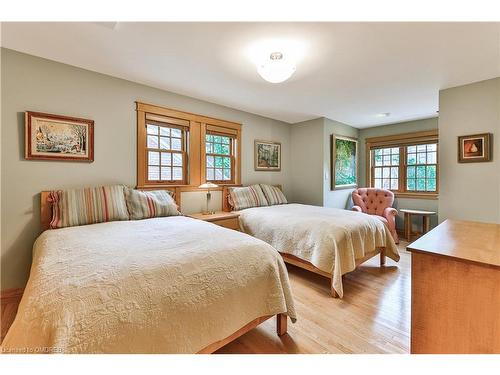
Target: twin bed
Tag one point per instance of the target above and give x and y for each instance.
(180, 285)
(328, 241)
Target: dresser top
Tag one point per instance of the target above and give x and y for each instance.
(462, 240)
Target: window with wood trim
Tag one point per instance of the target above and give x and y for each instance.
(421, 167)
(165, 153)
(219, 157)
(406, 164)
(182, 150)
(386, 168)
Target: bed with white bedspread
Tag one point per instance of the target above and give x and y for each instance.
(163, 285)
(332, 240)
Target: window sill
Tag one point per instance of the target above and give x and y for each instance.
(415, 195)
(183, 188)
(159, 186)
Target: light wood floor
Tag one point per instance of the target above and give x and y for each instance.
(373, 316)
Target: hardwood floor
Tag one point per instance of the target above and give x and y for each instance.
(9, 301)
(373, 316)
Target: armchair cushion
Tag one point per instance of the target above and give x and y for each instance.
(377, 202)
(373, 201)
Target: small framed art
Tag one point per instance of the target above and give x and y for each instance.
(54, 137)
(474, 148)
(267, 156)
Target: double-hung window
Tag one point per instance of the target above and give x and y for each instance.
(406, 164)
(421, 168)
(221, 156)
(166, 153)
(386, 168)
(179, 150)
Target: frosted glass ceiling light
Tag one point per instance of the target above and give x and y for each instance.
(276, 69)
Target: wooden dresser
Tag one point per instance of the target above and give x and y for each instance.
(455, 277)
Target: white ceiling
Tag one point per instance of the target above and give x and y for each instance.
(349, 73)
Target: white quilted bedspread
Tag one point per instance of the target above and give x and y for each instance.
(329, 238)
(165, 285)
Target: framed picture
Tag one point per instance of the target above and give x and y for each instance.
(53, 137)
(474, 148)
(344, 162)
(267, 156)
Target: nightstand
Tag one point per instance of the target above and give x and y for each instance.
(224, 219)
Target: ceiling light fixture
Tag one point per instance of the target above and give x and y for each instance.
(384, 114)
(277, 68)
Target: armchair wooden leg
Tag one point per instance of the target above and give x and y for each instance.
(382, 257)
(281, 324)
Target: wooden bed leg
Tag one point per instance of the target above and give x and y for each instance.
(333, 292)
(281, 324)
(382, 258)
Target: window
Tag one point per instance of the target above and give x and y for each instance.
(179, 150)
(166, 155)
(219, 158)
(421, 167)
(406, 164)
(386, 169)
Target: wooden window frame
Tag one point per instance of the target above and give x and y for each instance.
(401, 141)
(195, 127)
(184, 151)
(232, 152)
(234, 132)
(406, 165)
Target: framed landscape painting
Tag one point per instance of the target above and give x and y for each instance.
(344, 162)
(53, 137)
(267, 156)
(474, 148)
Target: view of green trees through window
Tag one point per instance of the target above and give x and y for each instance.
(387, 168)
(421, 169)
(218, 163)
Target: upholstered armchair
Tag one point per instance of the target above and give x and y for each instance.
(377, 202)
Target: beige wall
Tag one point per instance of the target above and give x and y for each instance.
(400, 128)
(307, 162)
(41, 85)
(310, 142)
(469, 191)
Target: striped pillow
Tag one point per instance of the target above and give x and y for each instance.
(148, 204)
(273, 195)
(87, 206)
(246, 197)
